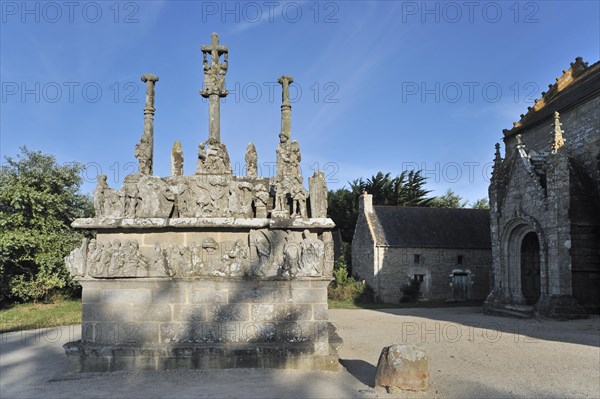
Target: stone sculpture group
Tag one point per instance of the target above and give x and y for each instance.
(214, 236)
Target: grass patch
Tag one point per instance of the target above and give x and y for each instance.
(29, 316)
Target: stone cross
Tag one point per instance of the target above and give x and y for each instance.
(286, 107)
(145, 149)
(214, 83)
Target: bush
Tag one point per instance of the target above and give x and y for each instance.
(411, 291)
(346, 288)
(38, 201)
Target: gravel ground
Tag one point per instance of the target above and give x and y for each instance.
(471, 355)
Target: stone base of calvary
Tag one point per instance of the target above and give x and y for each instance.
(210, 270)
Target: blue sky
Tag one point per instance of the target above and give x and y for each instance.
(379, 86)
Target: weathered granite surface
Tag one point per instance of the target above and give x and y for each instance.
(208, 270)
(545, 202)
(403, 367)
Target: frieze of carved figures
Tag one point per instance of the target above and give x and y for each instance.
(145, 196)
(265, 253)
(286, 253)
(108, 259)
(204, 258)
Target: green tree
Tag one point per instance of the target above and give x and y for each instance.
(449, 200)
(38, 201)
(342, 208)
(481, 203)
(406, 189)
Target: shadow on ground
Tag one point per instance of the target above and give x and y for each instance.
(582, 332)
(361, 370)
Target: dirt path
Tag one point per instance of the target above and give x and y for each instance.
(471, 355)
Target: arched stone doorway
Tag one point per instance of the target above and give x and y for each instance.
(524, 262)
(530, 268)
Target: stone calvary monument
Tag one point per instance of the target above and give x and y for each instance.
(209, 270)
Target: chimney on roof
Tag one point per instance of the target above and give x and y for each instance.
(365, 203)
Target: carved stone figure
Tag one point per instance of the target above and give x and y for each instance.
(101, 188)
(159, 261)
(292, 253)
(282, 154)
(233, 208)
(251, 161)
(201, 204)
(105, 256)
(173, 261)
(156, 198)
(76, 260)
(113, 204)
(117, 260)
(131, 261)
(295, 158)
(282, 192)
(196, 255)
(298, 194)
(318, 195)
(211, 251)
(132, 200)
(106, 200)
(245, 199)
(177, 159)
(312, 255)
(213, 158)
(261, 199)
(218, 189)
(263, 248)
(233, 260)
(143, 153)
(93, 257)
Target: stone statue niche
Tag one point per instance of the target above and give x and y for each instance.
(182, 265)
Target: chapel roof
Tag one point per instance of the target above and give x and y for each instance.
(421, 227)
(578, 82)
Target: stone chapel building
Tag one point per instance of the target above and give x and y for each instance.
(447, 250)
(545, 207)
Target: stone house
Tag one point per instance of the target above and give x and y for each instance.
(545, 207)
(447, 250)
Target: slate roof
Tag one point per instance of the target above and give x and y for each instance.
(575, 85)
(414, 227)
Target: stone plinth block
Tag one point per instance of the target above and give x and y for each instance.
(403, 366)
(204, 323)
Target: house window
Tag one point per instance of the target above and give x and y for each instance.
(417, 258)
(419, 277)
(459, 259)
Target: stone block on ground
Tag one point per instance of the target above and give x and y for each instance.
(404, 367)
